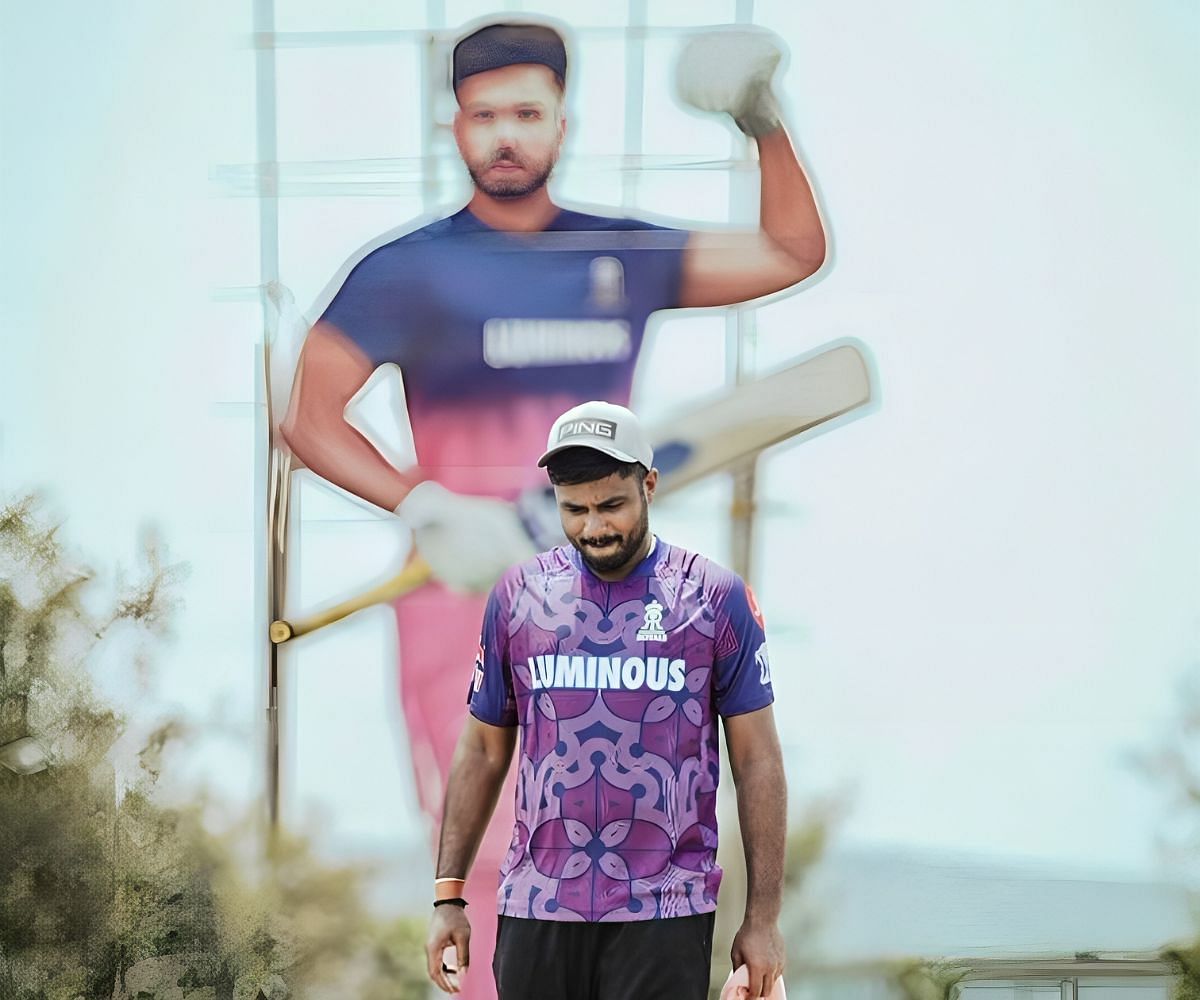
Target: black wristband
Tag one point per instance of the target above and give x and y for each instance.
(452, 901)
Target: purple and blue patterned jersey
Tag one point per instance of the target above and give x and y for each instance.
(498, 333)
(616, 688)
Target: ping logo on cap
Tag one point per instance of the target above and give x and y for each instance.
(590, 428)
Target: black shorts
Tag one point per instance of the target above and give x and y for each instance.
(567, 960)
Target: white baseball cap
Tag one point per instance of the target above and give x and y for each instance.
(605, 427)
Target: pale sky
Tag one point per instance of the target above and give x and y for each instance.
(980, 595)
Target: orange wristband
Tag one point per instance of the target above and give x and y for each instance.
(448, 888)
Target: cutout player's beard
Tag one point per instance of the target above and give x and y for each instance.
(536, 175)
(625, 550)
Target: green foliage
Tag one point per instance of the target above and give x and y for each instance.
(808, 840)
(927, 980)
(1174, 765)
(1186, 962)
(106, 894)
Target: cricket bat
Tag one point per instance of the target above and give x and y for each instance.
(707, 437)
(711, 436)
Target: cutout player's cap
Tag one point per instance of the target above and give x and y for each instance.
(497, 45)
(605, 427)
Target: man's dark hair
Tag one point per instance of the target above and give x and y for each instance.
(573, 466)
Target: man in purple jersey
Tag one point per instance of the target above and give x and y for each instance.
(505, 313)
(613, 657)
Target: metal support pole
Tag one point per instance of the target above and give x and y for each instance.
(269, 570)
(635, 86)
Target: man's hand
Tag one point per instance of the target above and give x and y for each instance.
(449, 929)
(467, 541)
(730, 70)
(758, 945)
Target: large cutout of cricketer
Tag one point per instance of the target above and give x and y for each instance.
(505, 313)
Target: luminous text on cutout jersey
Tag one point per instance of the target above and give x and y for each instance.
(530, 343)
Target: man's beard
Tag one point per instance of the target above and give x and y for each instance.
(625, 550)
(512, 187)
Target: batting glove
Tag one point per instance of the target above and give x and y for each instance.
(468, 541)
(730, 70)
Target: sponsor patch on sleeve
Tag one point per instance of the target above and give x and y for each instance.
(754, 608)
(477, 682)
(764, 665)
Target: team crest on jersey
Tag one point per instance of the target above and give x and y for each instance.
(652, 630)
(607, 278)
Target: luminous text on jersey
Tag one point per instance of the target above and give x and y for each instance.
(629, 673)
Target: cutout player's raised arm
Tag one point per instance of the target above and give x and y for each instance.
(474, 313)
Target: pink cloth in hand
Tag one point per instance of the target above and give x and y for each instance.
(454, 975)
(737, 986)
